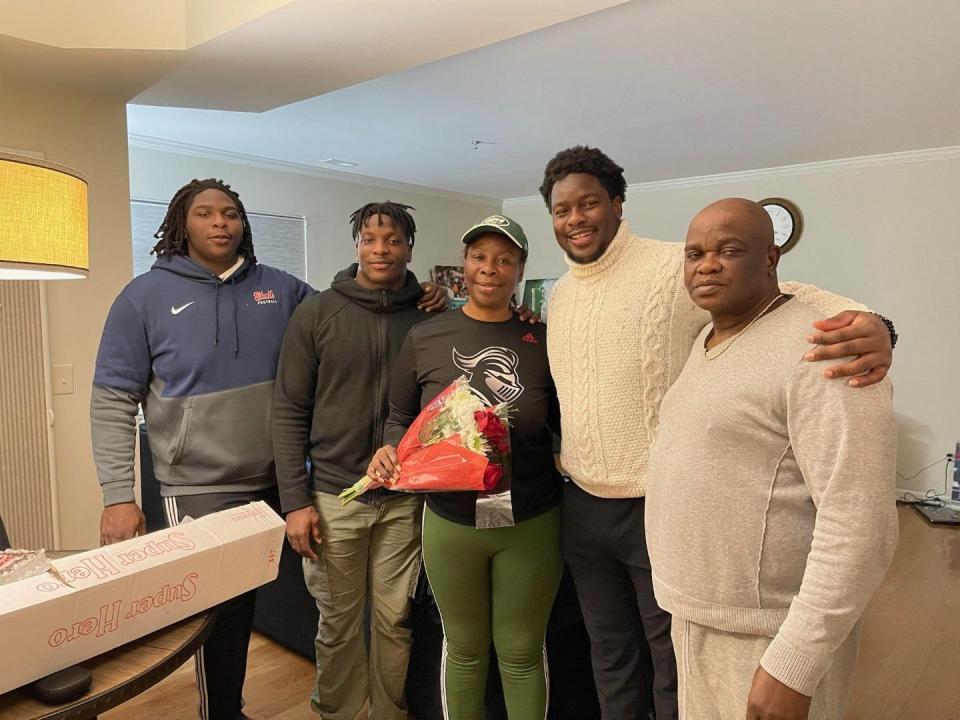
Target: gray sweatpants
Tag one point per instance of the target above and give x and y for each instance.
(716, 671)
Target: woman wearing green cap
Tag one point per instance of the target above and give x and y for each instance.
(493, 559)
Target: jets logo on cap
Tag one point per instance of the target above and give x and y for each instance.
(498, 220)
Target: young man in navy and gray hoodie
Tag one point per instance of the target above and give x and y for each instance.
(195, 342)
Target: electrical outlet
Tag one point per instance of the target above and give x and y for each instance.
(62, 377)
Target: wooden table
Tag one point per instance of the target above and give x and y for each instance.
(119, 674)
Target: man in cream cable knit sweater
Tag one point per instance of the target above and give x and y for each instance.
(621, 327)
(768, 547)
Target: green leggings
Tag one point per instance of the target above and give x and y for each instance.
(494, 585)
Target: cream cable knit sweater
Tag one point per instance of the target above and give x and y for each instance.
(619, 334)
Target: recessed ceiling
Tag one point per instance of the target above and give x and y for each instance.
(250, 55)
(125, 25)
(309, 47)
(669, 89)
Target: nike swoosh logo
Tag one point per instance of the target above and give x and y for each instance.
(178, 310)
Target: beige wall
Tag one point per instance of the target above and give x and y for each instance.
(883, 234)
(325, 203)
(88, 133)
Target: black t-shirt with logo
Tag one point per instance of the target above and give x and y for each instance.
(504, 362)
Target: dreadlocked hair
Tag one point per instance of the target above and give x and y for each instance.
(172, 233)
(397, 212)
(587, 160)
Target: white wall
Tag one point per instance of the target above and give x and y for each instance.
(884, 234)
(326, 204)
(87, 132)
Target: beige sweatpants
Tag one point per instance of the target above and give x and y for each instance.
(715, 671)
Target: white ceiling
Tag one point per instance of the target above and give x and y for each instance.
(309, 47)
(669, 88)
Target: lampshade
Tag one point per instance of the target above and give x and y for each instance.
(43, 220)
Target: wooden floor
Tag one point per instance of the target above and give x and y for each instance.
(909, 658)
(278, 687)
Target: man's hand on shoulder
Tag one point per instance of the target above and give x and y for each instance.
(853, 333)
(770, 699)
(434, 298)
(121, 522)
(303, 525)
(525, 314)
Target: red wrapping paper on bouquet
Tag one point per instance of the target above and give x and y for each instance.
(455, 443)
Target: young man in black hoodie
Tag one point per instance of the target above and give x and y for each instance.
(331, 396)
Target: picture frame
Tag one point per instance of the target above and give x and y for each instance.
(451, 278)
(536, 295)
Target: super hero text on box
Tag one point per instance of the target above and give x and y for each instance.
(104, 567)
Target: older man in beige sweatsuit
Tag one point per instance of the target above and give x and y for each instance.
(770, 512)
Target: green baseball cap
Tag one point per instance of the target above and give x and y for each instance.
(501, 225)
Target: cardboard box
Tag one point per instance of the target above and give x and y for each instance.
(107, 597)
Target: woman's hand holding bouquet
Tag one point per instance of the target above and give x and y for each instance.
(456, 443)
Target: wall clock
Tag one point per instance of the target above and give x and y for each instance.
(787, 221)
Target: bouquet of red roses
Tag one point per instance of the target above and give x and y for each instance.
(456, 443)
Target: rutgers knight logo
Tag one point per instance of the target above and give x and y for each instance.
(497, 367)
(264, 297)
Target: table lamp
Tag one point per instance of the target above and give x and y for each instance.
(43, 220)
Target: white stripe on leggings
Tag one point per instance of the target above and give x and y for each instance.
(201, 672)
(443, 652)
(546, 676)
(200, 667)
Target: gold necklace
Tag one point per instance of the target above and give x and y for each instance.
(727, 343)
